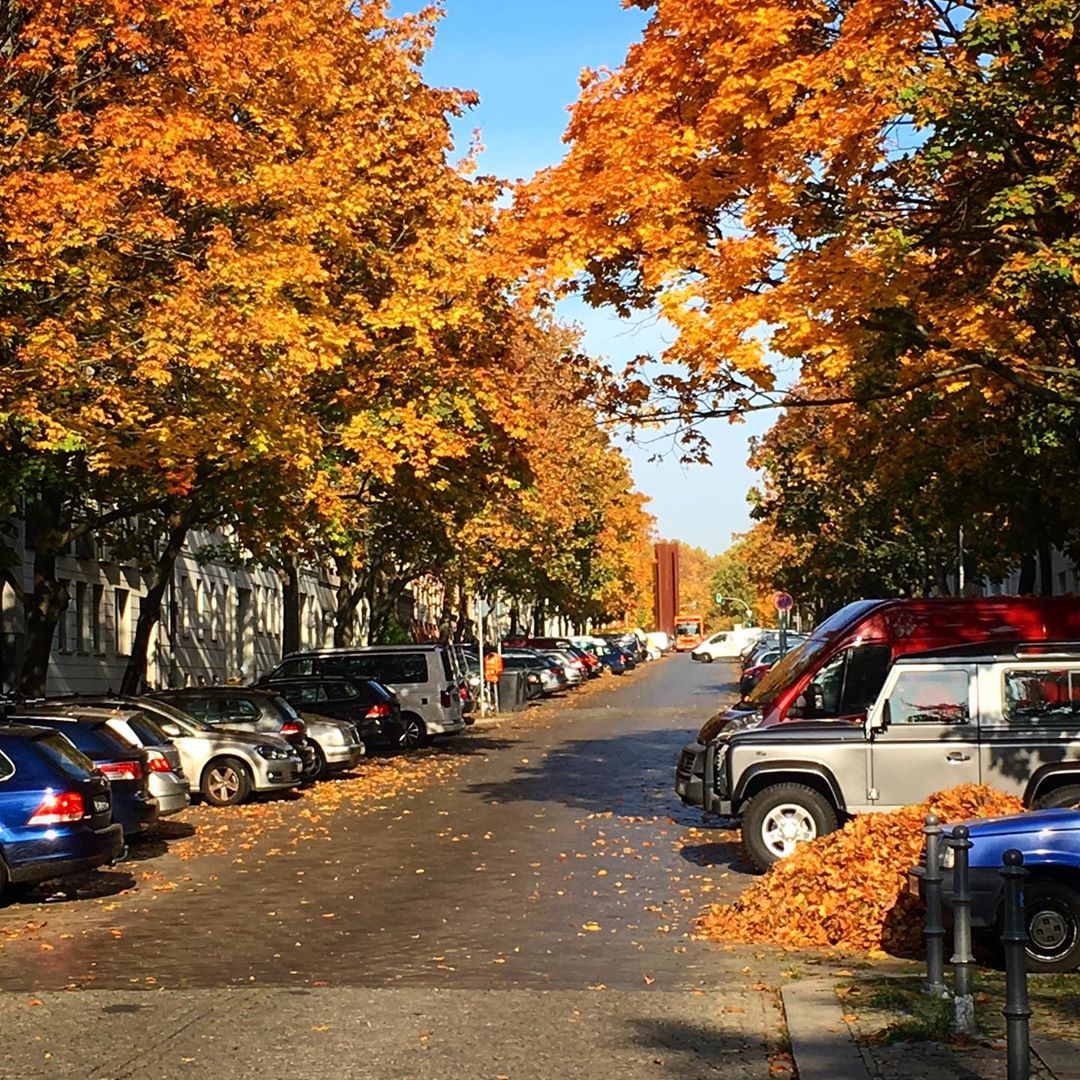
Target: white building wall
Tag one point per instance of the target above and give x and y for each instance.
(219, 623)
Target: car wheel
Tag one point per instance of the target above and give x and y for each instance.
(1052, 921)
(413, 732)
(779, 818)
(1062, 797)
(705, 658)
(225, 782)
(315, 767)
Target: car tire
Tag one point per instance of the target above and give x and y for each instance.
(318, 769)
(1062, 797)
(780, 817)
(706, 658)
(1052, 922)
(225, 781)
(413, 732)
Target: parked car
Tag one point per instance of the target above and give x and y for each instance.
(757, 668)
(324, 745)
(614, 660)
(726, 644)
(424, 677)
(552, 676)
(1050, 842)
(571, 666)
(165, 771)
(125, 767)
(370, 707)
(55, 809)
(1006, 716)
(224, 767)
(854, 648)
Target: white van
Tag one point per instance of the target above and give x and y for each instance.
(726, 644)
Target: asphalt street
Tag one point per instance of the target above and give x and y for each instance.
(527, 917)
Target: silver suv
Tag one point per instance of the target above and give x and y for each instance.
(424, 677)
(1007, 716)
(225, 767)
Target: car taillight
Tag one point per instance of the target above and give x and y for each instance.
(55, 809)
(291, 728)
(376, 712)
(463, 693)
(157, 762)
(121, 770)
(445, 699)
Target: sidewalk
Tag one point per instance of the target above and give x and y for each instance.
(867, 1023)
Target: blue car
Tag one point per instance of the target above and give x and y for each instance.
(55, 809)
(1050, 842)
(125, 767)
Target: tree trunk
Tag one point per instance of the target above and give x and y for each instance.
(1028, 569)
(134, 680)
(290, 608)
(349, 594)
(49, 600)
(538, 617)
(1046, 568)
(515, 618)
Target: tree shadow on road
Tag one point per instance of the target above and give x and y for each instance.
(630, 774)
(727, 852)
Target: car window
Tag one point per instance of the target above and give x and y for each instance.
(239, 709)
(930, 697)
(298, 665)
(303, 694)
(448, 666)
(149, 734)
(1048, 698)
(343, 691)
(864, 676)
(388, 667)
(201, 708)
(61, 753)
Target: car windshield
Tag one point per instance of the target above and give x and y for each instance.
(806, 654)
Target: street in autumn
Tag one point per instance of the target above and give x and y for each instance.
(516, 904)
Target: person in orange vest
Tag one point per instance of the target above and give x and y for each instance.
(493, 667)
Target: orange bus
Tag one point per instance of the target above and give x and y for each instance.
(689, 632)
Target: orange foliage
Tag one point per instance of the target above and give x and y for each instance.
(848, 889)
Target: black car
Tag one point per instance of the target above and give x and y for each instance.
(370, 706)
(125, 767)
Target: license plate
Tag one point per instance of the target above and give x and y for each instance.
(100, 805)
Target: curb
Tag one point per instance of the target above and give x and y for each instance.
(821, 1042)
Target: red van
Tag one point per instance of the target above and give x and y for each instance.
(836, 673)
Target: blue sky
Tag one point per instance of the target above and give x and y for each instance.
(524, 59)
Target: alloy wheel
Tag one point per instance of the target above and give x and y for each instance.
(224, 783)
(786, 826)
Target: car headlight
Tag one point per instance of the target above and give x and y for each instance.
(948, 857)
(273, 753)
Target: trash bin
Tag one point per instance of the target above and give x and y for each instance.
(512, 691)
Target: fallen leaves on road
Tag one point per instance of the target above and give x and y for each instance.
(848, 889)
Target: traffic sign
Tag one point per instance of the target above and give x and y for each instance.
(784, 601)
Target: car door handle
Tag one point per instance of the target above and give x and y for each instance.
(956, 757)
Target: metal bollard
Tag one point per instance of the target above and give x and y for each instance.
(1014, 938)
(962, 960)
(935, 927)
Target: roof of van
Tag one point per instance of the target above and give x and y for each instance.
(345, 649)
(998, 650)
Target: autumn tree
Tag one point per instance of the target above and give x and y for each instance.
(880, 192)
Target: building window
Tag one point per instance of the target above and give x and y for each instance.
(123, 622)
(97, 601)
(200, 610)
(213, 608)
(183, 614)
(80, 616)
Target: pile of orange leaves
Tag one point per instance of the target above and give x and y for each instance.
(849, 889)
